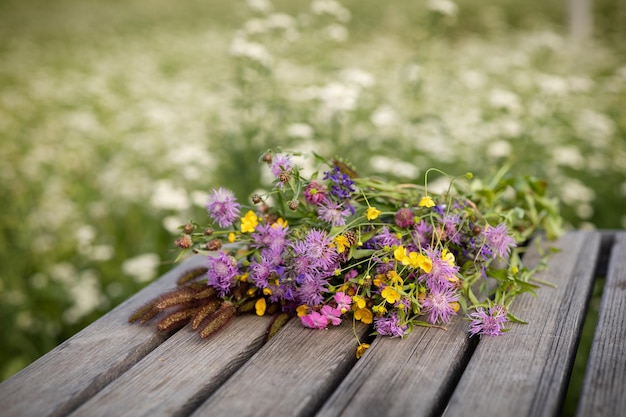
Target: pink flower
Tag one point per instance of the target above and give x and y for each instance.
(343, 301)
(332, 314)
(314, 320)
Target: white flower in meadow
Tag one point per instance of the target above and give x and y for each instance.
(281, 21)
(445, 7)
(553, 85)
(504, 99)
(300, 131)
(499, 149)
(568, 156)
(337, 97)
(580, 84)
(142, 268)
(171, 223)
(100, 252)
(574, 191)
(473, 79)
(510, 128)
(85, 234)
(336, 32)
(384, 116)
(166, 196)
(584, 211)
(595, 126)
(255, 26)
(241, 48)
(386, 165)
(86, 296)
(261, 6)
(331, 7)
(412, 73)
(358, 77)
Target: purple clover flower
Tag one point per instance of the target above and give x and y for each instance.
(490, 323)
(315, 192)
(405, 218)
(437, 304)
(390, 326)
(223, 207)
(499, 240)
(221, 273)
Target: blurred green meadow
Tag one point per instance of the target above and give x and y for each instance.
(117, 117)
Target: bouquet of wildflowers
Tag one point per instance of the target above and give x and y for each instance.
(335, 246)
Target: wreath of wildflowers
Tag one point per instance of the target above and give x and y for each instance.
(335, 246)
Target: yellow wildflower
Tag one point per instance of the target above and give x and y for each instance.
(400, 253)
(249, 222)
(260, 306)
(455, 306)
(231, 237)
(425, 263)
(395, 279)
(358, 301)
(372, 213)
(342, 243)
(360, 350)
(302, 310)
(427, 202)
(267, 291)
(390, 294)
(365, 315)
(280, 222)
(448, 257)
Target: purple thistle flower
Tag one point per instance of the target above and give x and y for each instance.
(315, 192)
(422, 233)
(333, 213)
(405, 218)
(321, 251)
(441, 271)
(383, 239)
(281, 163)
(390, 326)
(311, 289)
(499, 240)
(221, 273)
(437, 304)
(490, 323)
(450, 225)
(222, 207)
(260, 272)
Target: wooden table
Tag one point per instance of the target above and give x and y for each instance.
(113, 368)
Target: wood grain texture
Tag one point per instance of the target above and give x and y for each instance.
(290, 376)
(77, 369)
(526, 372)
(179, 374)
(403, 377)
(605, 377)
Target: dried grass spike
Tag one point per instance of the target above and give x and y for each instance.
(176, 297)
(218, 319)
(277, 323)
(207, 292)
(191, 275)
(204, 311)
(177, 319)
(144, 313)
(247, 306)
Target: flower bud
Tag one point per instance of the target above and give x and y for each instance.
(184, 242)
(214, 244)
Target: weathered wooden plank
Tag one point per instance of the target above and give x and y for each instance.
(525, 373)
(402, 377)
(179, 374)
(605, 377)
(290, 376)
(74, 371)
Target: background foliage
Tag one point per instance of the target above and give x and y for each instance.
(116, 117)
